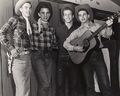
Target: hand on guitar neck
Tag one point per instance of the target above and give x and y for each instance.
(109, 22)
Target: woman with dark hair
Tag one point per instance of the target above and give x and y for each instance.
(43, 43)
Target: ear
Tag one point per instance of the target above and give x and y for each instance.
(20, 9)
(39, 15)
(88, 16)
(73, 16)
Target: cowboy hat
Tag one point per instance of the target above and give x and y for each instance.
(85, 7)
(19, 5)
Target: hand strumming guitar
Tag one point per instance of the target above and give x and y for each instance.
(78, 48)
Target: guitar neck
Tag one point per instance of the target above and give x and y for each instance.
(97, 31)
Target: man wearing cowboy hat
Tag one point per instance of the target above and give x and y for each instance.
(44, 42)
(95, 62)
(65, 68)
(20, 27)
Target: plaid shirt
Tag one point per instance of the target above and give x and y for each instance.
(44, 40)
(14, 33)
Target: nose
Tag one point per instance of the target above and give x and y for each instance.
(28, 9)
(45, 15)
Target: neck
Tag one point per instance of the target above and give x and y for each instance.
(45, 24)
(69, 25)
(87, 23)
(26, 18)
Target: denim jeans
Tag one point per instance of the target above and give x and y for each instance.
(21, 70)
(96, 64)
(67, 71)
(42, 66)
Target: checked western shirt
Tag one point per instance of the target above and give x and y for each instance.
(14, 33)
(44, 40)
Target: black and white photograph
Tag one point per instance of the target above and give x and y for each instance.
(59, 47)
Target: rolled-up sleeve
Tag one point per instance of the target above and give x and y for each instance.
(6, 29)
(106, 32)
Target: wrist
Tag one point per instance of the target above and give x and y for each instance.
(73, 48)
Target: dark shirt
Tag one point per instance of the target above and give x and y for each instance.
(62, 33)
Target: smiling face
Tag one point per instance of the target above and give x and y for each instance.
(83, 16)
(68, 16)
(44, 14)
(26, 9)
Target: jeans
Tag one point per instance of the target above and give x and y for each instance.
(21, 69)
(67, 71)
(96, 64)
(42, 66)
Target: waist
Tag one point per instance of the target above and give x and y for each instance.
(43, 51)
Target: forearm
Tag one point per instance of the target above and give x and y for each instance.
(7, 44)
(68, 46)
(107, 33)
(6, 30)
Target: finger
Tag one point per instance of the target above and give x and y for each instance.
(108, 18)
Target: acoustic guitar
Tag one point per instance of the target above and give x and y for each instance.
(87, 41)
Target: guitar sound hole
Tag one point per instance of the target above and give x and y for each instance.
(77, 45)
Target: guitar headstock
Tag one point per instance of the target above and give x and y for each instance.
(115, 15)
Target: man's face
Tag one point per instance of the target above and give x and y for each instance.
(83, 16)
(26, 9)
(68, 16)
(44, 14)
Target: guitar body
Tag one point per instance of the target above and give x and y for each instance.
(78, 57)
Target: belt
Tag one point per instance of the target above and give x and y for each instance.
(43, 51)
(24, 53)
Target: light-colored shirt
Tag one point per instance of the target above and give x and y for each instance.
(107, 32)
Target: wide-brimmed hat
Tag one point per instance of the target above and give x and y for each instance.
(19, 5)
(85, 7)
(42, 5)
(67, 6)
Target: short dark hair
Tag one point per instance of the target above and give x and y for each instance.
(67, 8)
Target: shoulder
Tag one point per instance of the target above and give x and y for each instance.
(96, 24)
(75, 32)
(51, 29)
(13, 19)
(34, 23)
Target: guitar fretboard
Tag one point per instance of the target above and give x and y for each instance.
(97, 32)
